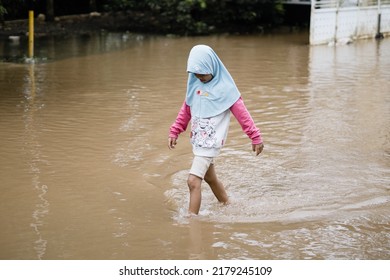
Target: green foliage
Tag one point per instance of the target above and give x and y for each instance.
(174, 16)
(3, 11)
(118, 5)
(12, 8)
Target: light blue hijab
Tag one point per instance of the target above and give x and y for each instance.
(216, 96)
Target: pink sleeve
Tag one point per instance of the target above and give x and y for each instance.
(244, 118)
(181, 122)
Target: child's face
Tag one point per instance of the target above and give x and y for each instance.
(204, 78)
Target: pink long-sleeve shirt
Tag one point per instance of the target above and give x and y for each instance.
(239, 111)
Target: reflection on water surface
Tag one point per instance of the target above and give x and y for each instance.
(87, 174)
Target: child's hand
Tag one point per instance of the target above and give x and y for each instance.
(171, 143)
(258, 148)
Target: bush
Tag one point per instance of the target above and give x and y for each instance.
(170, 16)
(206, 16)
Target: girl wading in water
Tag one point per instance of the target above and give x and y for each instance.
(211, 96)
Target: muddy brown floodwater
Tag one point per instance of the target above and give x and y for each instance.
(86, 173)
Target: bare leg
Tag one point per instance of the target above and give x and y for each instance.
(194, 184)
(216, 185)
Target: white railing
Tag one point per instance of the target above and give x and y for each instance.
(335, 21)
(323, 4)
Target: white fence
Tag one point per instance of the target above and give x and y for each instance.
(334, 21)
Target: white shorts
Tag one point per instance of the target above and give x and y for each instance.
(200, 165)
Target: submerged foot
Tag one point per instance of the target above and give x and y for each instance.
(228, 202)
(191, 215)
